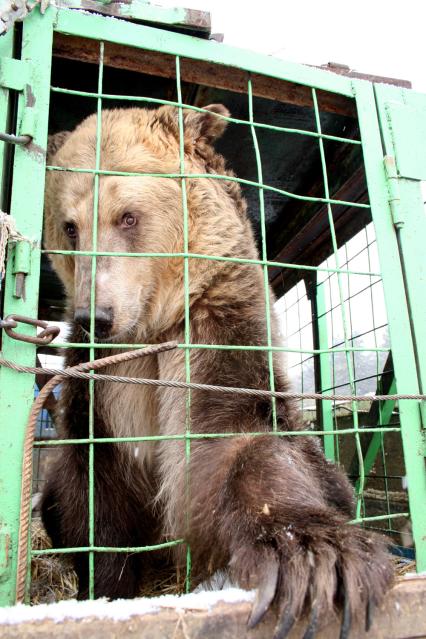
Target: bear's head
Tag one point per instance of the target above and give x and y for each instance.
(136, 296)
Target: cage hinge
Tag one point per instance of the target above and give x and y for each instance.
(5, 552)
(14, 74)
(394, 198)
(21, 266)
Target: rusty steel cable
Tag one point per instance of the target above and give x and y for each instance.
(78, 372)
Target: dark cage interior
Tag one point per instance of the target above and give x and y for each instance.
(333, 324)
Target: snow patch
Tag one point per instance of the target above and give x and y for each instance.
(121, 609)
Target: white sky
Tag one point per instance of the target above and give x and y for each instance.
(383, 37)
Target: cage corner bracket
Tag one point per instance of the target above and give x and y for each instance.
(14, 74)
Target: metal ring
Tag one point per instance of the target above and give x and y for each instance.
(45, 337)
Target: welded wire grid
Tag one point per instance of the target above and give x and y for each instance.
(334, 277)
(384, 473)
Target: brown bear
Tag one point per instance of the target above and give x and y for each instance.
(269, 510)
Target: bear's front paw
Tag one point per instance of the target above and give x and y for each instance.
(319, 572)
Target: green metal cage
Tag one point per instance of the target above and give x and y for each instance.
(351, 303)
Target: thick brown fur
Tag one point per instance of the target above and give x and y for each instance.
(261, 508)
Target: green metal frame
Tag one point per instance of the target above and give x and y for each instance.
(17, 390)
(400, 315)
(29, 168)
(177, 17)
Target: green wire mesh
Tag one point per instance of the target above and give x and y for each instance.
(328, 311)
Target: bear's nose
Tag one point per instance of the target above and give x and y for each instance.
(104, 318)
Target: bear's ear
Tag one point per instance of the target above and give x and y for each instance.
(54, 143)
(206, 125)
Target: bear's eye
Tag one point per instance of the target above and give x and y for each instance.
(71, 230)
(128, 220)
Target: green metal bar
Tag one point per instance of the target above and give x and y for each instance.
(399, 321)
(132, 35)
(227, 178)
(144, 438)
(93, 549)
(300, 363)
(260, 125)
(264, 254)
(342, 303)
(17, 389)
(218, 258)
(363, 520)
(333, 367)
(326, 408)
(229, 347)
(96, 178)
(137, 549)
(187, 324)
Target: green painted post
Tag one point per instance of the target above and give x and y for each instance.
(398, 314)
(326, 408)
(397, 112)
(323, 384)
(17, 389)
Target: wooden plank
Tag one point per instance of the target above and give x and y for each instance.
(197, 72)
(400, 617)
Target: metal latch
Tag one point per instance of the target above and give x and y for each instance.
(17, 75)
(21, 253)
(21, 266)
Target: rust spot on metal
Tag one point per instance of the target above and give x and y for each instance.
(30, 97)
(5, 552)
(196, 18)
(110, 9)
(36, 151)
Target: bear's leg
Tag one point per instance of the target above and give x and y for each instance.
(258, 508)
(121, 518)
